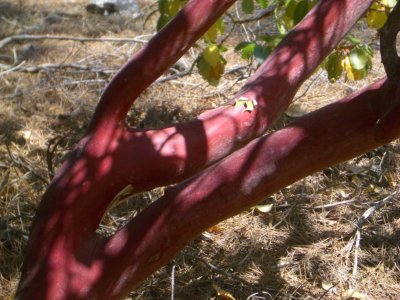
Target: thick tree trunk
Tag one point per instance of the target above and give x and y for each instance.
(66, 260)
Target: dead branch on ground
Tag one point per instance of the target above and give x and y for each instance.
(22, 37)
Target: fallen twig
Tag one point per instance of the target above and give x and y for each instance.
(13, 68)
(48, 67)
(355, 241)
(21, 37)
(86, 81)
(256, 295)
(376, 206)
(283, 219)
(20, 162)
(308, 87)
(324, 206)
(173, 282)
(174, 76)
(223, 272)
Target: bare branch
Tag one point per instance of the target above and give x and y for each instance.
(21, 37)
(355, 242)
(390, 58)
(49, 67)
(13, 68)
(260, 15)
(372, 209)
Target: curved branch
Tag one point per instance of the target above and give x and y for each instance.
(161, 52)
(266, 12)
(187, 148)
(388, 38)
(63, 239)
(330, 135)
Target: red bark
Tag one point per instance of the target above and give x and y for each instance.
(182, 150)
(333, 134)
(67, 260)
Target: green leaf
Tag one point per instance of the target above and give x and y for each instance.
(284, 16)
(262, 3)
(368, 50)
(290, 8)
(352, 73)
(280, 24)
(173, 7)
(358, 58)
(352, 39)
(163, 6)
(222, 48)
(272, 40)
(334, 66)
(211, 73)
(300, 11)
(204, 70)
(247, 6)
(168, 9)
(162, 21)
(242, 45)
(376, 16)
(212, 32)
(246, 48)
(261, 53)
(376, 19)
(211, 55)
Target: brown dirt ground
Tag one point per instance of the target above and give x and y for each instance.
(301, 249)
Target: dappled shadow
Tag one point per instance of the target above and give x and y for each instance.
(9, 9)
(268, 260)
(9, 130)
(9, 235)
(111, 156)
(239, 181)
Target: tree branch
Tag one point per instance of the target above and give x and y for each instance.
(388, 38)
(21, 37)
(112, 156)
(149, 63)
(330, 135)
(266, 12)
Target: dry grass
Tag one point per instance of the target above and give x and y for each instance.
(296, 251)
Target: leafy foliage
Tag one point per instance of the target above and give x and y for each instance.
(260, 49)
(351, 59)
(168, 9)
(377, 14)
(215, 30)
(211, 64)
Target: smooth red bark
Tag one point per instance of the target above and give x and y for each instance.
(330, 135)
(183, 149)
(65, 255)
(162, 51)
